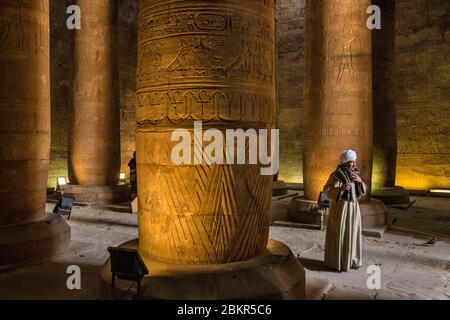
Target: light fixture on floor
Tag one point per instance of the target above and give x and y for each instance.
(61, 182)
(64, 206)
(122, 177)
(126, 264)
(440, 192)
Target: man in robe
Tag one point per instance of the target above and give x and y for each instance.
(343, 238)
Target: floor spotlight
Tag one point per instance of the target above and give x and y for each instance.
(60, 182)
(126, 264)
(64, 206)
(122, 177)
(440, 192)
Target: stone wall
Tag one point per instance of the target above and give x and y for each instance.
(423, 93)
(62, 79)
(423, 89)
(127, 28)
(290, 33)
(61, 48)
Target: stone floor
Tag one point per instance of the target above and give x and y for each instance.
(430, 215)
(409, 268)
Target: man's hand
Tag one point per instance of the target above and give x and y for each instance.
(346, 187)
(356, 178)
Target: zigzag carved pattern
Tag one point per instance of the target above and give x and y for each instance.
(204, 214)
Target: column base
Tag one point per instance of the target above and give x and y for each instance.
(373, 214)
(97, 194)
(305, 211)
(275, 275)
(35, 242)
(391, 196)
(279, 188)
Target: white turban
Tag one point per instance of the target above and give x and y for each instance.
(348, 155)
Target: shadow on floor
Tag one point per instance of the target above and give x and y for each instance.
(315, 265)
(428, 220)
(120, 208)
(102, 221)
(49, 282)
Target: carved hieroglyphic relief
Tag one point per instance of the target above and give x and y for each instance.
(338, 89)
(202, 57)
(22, 30)
(422, 94)
(204, 105)
(94, 143)
(25, 110)
(210, 61)
(217, 47)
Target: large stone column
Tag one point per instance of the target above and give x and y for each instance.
(27, 233)
(213, 68)
(94, 143)
(200, 226)
(338, 94)
(384, 109)
(338, 89)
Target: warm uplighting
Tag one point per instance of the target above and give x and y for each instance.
(123, 176)
(61, 181)
(440, 191)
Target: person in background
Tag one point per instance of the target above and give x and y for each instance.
(133, 176)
